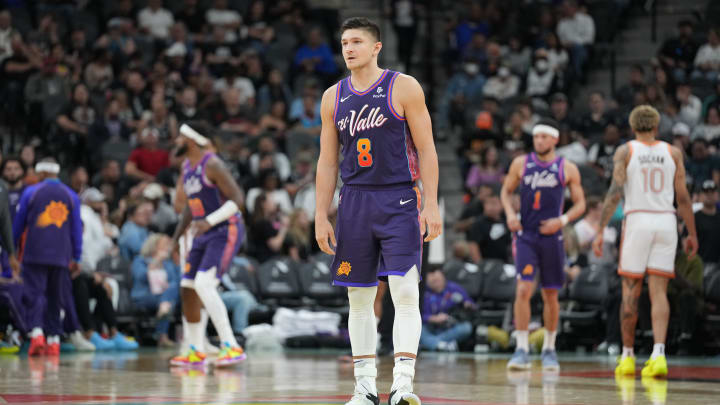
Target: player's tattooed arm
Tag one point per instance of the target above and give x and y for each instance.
(615, 193)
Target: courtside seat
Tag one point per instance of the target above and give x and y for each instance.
(498, 293)
(468, 275)
(278, 282)
(583, 317)
(316, 284)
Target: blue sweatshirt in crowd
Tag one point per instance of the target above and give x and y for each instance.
(442, 302)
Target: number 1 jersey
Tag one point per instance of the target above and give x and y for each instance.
(542, 191)
(377, 147)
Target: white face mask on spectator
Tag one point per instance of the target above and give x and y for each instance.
(471, 68)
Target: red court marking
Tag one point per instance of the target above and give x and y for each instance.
(28, 398)
(674, 373)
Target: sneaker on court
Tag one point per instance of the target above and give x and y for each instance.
(37, 346)
(626, 366)
(122, 342)
(519, 360)
(52, 349)
(80, 343)
(403, 398)
(100, 343)
(363, 399)
(549, 360)
(193, 358)
(8, 348)
(230, 355)
(656, 367)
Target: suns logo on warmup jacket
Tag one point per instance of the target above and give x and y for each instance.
(55, 213)
(528, 270)
(344, 268)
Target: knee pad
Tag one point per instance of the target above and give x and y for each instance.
(206, 280)
(361, 297)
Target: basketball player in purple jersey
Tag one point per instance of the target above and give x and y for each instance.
(213, 207)
(538, 242)
(379, 120)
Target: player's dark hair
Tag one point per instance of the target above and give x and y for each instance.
(549, 122)
(202, 127)
(361, 23)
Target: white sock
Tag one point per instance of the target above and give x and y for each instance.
(549, 340)
(53, 339)
(628, 352)
(406, 328)
(658, 350)
(36, 332)
(521, 336)
(363, 337)
(195, 336)
(206, 288)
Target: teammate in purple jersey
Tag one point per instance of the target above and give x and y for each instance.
(538, 243)
(380, 120)
(213, 207)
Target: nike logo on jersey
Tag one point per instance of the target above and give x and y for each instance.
(342, 100)
(405, 202)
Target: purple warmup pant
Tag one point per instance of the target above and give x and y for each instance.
(11, 298)
(42, 297)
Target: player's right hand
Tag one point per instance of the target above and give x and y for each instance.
(597, 244)
(324, 232)
(691, 246)
(513, 224)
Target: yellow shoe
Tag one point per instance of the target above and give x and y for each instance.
(655, 390)
(230, 355)
(626, 366)
(626, 387)
(655, 367)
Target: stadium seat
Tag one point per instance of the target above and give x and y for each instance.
(119, 269)
(498, 293)
(468, 275)
(316, 283)
(582, 318)
(278, 282)
(241, 275)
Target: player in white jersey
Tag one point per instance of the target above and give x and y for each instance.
(649, 174)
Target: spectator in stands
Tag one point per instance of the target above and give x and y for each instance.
(707, 60)
(268, 228)
(681, 137)
(233, 116)
(713, 99)
(685, 294)
(707, 221)
(156, 284)
(472, 23)
(111, 182)
(75, 121)
(557, 55)
(576, 31)
(710, 130)
(297, 244)
(464, 89)
(164, 218)
(517, 140)
(476, 51)
(601, 154)
(98, 234)
(308, 120)
(503, 85)
(274, 90)
(404, 17)
(315, 56)
(155, 20)
(138, 95)
(702, 165)
(232, 79)
(46, 91)
(541, 80)
(270, 184)
(13, 173)
(239, 302)
(260, 30)
(517, 56)
(108, 127)
(146, 161)
(79, 179)
(587, 229)
(655, 96)
(593, 123)
(135, 230)
(678, 54)
(274, 121)
(487, 171)
(27, 156)
(670, 118)
(576, 150)
(6, 33)
(626, 93)
(690, 105)
(192, 16)
(489, 237)
(160, 120)
(441, 331)
(99, 73)
(186, 106)
(559, 112)
(267, 146)
(219, 15)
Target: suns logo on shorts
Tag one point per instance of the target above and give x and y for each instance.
(528, 270)
(55, 213)
(344, 268)
(187, 268)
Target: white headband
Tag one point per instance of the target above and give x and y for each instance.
(189, 132)
(546, 129)
(47, 167)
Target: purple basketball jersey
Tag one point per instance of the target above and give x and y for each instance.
(542, 191)
(376, 143)
(203, 196)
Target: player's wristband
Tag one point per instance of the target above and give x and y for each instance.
(564, 220)
(223, 213)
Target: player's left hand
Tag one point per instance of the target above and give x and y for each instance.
(15, 266)
(550, 226)
(691, 246)
(431, 222)
(201, 226)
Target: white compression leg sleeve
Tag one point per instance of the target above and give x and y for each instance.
(363, 337)
(206, 288)
(405, 294)
(203, 325)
